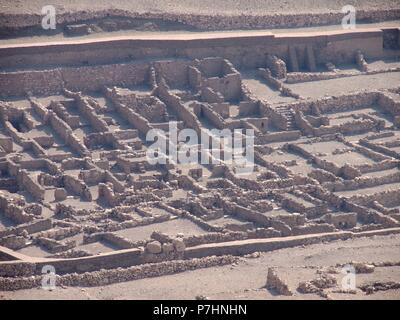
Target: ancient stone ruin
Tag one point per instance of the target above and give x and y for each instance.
(77, 191)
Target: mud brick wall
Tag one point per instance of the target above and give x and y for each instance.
(59, 126)
(96, 77)
(10, 130)
(139, 122)
(347, 102)
(279, 136)
(176, 104)
(106, 192)
(247, 108)
(93, 176)
(242, 51)
(98, 64)
(378, 148)
(84, 107)
(303, 124)
(14, 209)
(6, 143)
(337, 49)
(215, 119)
(356, 126)
(277, 119)
(175, 72)
(296, 77)
(249, 246)
(194, 77)
(211, 96)
(229, 85)
(277, 66)
(75, 186)
(362, 182)
(26, 182)
(388, 104)
(52, 81)
(146, 105)
(19, 83)
(31, 227)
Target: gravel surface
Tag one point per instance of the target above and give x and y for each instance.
(256, 7)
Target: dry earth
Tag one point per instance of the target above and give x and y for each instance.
(198, 7)
(246, 280)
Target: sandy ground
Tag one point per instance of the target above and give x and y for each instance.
(246, 280)
(256, 7)
(319, 89)
(182, 34)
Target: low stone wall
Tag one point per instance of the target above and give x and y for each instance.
(139, 122)
(388, 104)
(211, 96)
(378, 148)
(229, 85)
(298, 77)
(65, 132)
(278, 137)
(313, 229)
(249, 246)
(124, 257)
(322, 176)
(55, 246)
(174, 102)
(14, 209)
(214, 238)
(118, 241)
(26, 182)
(347, 102)
(276, 83)
(355, 126)
(215, 119)
(371, 216)
(386, 198)
(260, 245)
(88, 111)
(30, 227)
(332, 104)
(77, 187)
(106, 277)
(59, 233)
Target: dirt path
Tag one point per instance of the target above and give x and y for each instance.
(183, 35)
(247, 279)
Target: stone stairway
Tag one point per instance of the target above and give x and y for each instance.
(289, 115)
